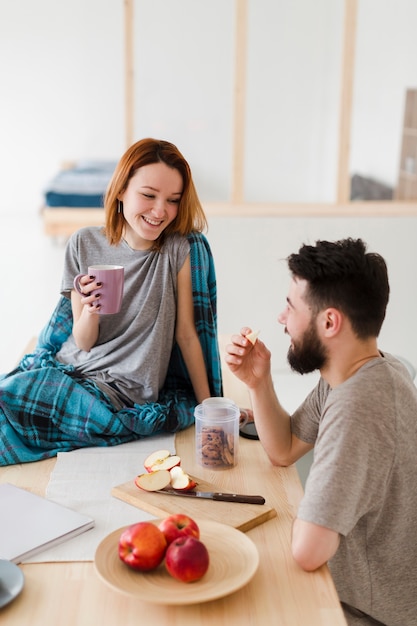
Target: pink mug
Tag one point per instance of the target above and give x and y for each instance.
(111, 290)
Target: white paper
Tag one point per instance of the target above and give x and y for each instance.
(83, 480)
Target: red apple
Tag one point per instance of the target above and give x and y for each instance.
(142, 546)
(187, 559)
(180, 480)
(179, 525)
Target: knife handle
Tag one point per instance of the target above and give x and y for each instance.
(236, 497)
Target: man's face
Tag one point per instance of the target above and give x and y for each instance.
(306, 352)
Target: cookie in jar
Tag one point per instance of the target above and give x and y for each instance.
(217, 433)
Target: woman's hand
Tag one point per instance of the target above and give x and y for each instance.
(85, 309)
(91, 294)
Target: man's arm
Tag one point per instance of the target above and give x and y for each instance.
(313, 545)
(252, 365)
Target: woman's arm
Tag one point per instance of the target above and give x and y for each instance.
(186, 334)
(85, 327)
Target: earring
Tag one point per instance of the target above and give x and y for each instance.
(119, 206)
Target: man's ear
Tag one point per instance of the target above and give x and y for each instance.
(331, 322)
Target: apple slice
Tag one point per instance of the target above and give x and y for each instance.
(156, 457)
(180, 480)
(252, 336)
(153, 481)
(170, 462)
(161, 460)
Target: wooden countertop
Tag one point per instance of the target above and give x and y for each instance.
(71, 594)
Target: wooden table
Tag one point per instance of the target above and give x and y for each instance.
(71, 594)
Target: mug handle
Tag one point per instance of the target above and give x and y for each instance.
(77, 283)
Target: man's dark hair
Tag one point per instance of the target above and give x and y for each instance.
(343, 275)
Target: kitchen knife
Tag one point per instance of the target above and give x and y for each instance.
(213, 495)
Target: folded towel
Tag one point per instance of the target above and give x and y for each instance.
(84, 185)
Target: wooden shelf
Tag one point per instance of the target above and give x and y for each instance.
(407, 176)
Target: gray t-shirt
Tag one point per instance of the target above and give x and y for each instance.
(134, 345)
(363, 485)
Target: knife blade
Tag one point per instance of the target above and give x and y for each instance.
(215, 495)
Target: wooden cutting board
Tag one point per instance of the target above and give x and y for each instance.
(241, 516)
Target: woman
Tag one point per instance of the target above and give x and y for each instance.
(104, 379)
(151, 205)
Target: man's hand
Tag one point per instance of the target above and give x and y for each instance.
(251, 363)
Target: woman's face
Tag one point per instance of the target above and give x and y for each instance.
(150, 203)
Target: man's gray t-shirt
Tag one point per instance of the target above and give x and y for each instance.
(363, 485)
(134, 345)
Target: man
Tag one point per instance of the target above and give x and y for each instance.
(359, 510)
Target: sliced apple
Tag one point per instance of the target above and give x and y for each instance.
(253, 336)
(153, 481)
(171, 461)
(161, 460)
(156, 457)
(180, 480)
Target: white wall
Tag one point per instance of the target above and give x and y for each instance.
(386, 53)
(293, 92)
(62, 91)
(184, 84)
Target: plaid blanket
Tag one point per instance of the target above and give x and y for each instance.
(46, 407)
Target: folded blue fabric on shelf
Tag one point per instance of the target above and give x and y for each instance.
(82, 185)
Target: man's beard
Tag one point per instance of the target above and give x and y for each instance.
(309, 354)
